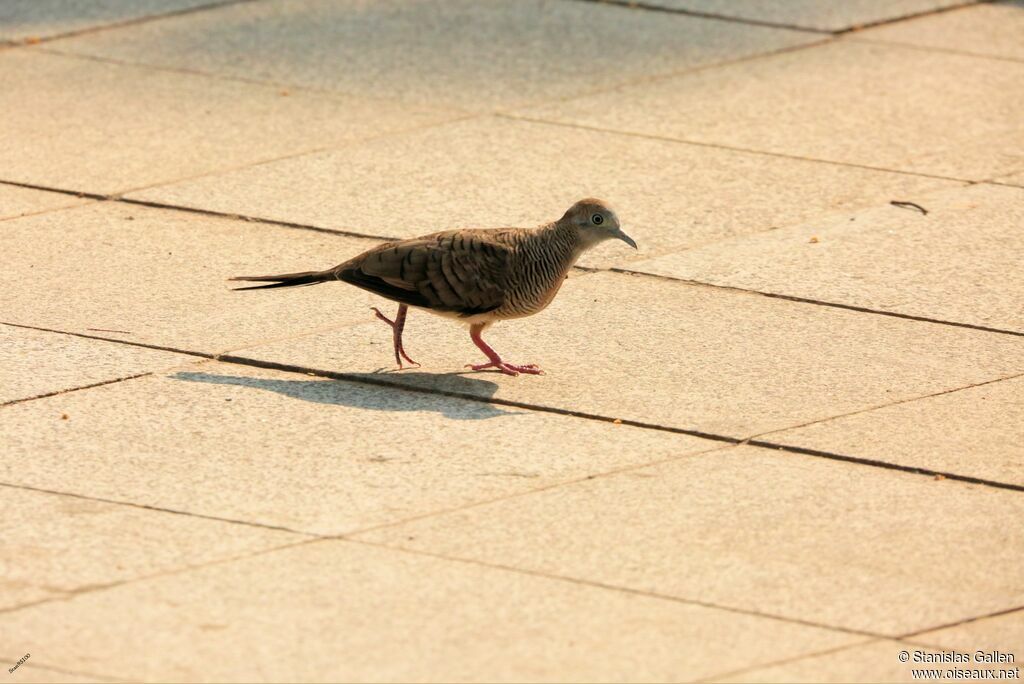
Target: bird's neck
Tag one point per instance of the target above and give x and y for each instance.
(562, 240)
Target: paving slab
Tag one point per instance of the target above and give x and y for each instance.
(1016, 179)
(15, 201)
(1004, 633)
(975, 432)
(89, 125)
(755, 529)
(58, 546)
(512, 172)
(34, 362)
(672, 354)
(811, 14)
(879, 105)
(460, 53)
(875, 661)
(35, 19)
(261, 441)
(381, 615)
(991, 29)
(160, 277)
(961, 262)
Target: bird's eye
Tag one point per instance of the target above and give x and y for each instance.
(597, 219)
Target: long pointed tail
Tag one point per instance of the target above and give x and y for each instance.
(286, 279)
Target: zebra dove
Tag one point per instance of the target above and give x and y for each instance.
(476, 276)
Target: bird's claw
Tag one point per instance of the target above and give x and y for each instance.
(508, 368)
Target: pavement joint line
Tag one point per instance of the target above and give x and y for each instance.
(134, 21)
(820, 302)
(648, 7)
(731, 148)
(644, 6)
(74, 389)
(786, 661)
(892, 403)
(965, 621)
(194, 210)
(382, 382)
(159, 509)
(927, 48)
(616, 587)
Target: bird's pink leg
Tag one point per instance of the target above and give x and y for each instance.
(397, 326)
(475, 332)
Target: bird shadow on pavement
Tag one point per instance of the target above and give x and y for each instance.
(375, 397)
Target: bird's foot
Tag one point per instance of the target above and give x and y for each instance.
(508, 368)
(397, 326)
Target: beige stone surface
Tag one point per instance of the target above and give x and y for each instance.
(382, 615)
(260, 442)
(29, 19)
(975, 432)
(961, 262)
(991, 29)
(1016, 179)
(879, 105)
(875, 661)
(511, 172)
(15, 201)
(668, 353)
(34, 362)
(811, 14)
(32, 673)
(160, 277)
(1004, 633)
(473, 55)
(57, 546)
(89, 125)
(755, 529)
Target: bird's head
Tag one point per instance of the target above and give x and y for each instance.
(595, 222)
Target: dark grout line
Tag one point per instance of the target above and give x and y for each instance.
(731, 148)
(616, 587)
(819, 302)
(965, 621)
(134, 21)
(907, 17)
(367, 380)
(160, 509)
(195, 210)
(647, 7)
(886, 465)
(74, 389)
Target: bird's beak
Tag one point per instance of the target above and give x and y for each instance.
(625, 238)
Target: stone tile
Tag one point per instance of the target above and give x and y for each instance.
(56, 546)
(513, 172)
(663, 352)
(974, 432)
(159, 276)
(337, 611)
(884, 106)
(33, 362)
(28, 19)
(951, 264)
(461, 53)
(875, 661)
(781, 534)
(44, 675)
(372, 455)
(992, 29)
(1016, 179)
(811, 14)
(89, 125)
(1004, 633)
(15, 201)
